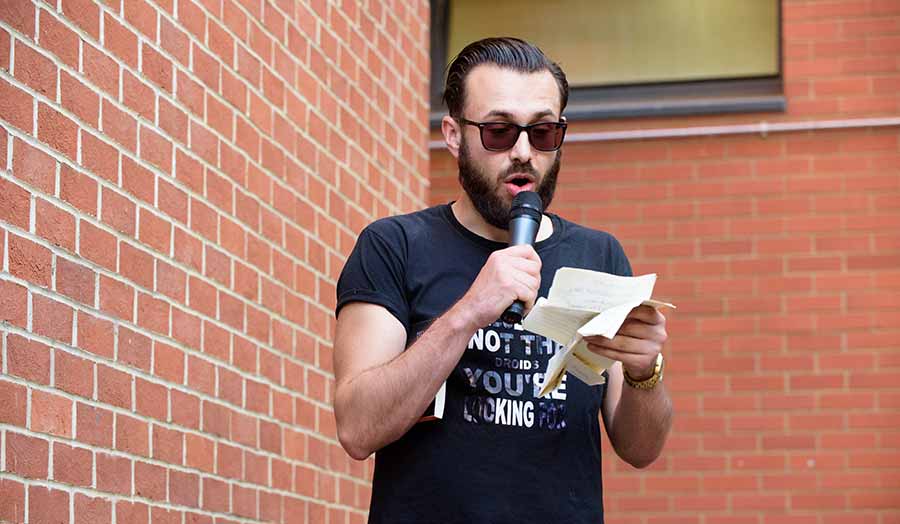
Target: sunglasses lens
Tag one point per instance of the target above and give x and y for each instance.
(546, 137)
(499, 136)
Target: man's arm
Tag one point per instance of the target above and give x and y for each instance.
(637, 421)
(382, 390)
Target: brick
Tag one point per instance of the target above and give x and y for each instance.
(51, 414)
(102, 71)
(173, 121)
(113, 387)
(137, 180)
(28, 359)
(60, 40)
(143, 16)
(132, 512)
(113, 474)
(51, 318)
(90, 510)
(35, 70)
(118, 212)
(96, 335)
(15, 203)
(203, 143)
(15, 408)
(134, 349)
(34, 167)
(27, 456)
(17, 106)
(73, 374)
(171, 281)
(12, 493)
(55, 225)
(119, 126)
(99, 158)
(185, 488)
(78, 189)
(215, 495)
(155, 231)
(132, 435)
(46, 505)
(185, 409)
(229, 461)
(216, 419)
(94, 425)
(5, 46)
(136, 264)
(57, 131)
(244, 501)
(199, 452)
(75, 281)
(174, 41)
(72, 465)
(150, 481)
(156, 67)
(152, 400)
(13, 303)
(153, 314)
(173, 201)
(186, 328)
(156, 149)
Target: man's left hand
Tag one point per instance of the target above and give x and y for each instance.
(638, 342)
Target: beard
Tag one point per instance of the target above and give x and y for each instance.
(482, 191)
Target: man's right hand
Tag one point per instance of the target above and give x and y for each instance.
(508, 275)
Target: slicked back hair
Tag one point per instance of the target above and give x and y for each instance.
(505, 52)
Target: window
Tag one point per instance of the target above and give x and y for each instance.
(633, 58)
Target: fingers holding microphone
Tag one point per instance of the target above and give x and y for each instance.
(510, 274)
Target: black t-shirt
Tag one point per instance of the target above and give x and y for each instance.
(500, 453)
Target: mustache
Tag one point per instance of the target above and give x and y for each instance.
(520, 167)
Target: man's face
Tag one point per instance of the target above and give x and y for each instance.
(491, 179)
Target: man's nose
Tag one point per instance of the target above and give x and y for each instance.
(521, 150)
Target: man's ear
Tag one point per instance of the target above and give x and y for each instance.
(452, 134)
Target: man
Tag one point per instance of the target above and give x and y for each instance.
(418, 307)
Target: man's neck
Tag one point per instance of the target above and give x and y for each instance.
(472, 220)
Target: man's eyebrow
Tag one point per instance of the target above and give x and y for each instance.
(509, 116)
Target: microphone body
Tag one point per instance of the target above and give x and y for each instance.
(524, 222)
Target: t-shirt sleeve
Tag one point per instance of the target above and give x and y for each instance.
(375, 272)
(619, 261)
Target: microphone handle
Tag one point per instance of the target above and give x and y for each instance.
(523, 230)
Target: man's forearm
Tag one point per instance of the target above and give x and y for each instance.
(379, 405)
(641, 424)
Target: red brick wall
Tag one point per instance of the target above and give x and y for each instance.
(783, 255)
(180, 182)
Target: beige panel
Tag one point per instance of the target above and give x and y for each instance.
(604, 42)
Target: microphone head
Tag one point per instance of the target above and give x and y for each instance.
(526, 203)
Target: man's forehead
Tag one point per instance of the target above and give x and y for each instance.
(493, 90)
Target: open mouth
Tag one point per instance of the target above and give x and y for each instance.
(519, 182)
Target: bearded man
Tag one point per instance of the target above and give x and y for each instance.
(417, 319)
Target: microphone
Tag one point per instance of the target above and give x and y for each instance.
(524, 222)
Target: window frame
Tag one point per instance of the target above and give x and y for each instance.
(678, 98)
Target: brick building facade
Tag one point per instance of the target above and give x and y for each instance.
(180, 182)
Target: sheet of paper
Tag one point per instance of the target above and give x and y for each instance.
(597, 291)
(557, 323)
(583, 303)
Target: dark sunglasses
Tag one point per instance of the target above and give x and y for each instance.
(500, 136)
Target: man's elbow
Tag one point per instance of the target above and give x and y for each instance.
(641, 462)
(352, 442)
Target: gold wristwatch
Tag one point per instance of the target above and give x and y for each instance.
(648, 383)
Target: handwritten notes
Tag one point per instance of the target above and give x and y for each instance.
(583, 303)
